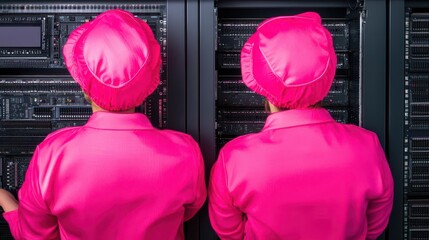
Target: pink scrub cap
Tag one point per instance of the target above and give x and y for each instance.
(115, 59)
(290, 60)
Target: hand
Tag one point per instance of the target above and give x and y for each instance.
(7, 201)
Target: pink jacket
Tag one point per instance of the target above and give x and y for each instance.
(117, 177)
(304, 176)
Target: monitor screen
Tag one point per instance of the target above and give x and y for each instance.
(20, 36)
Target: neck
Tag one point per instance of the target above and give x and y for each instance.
(96, 108)
(273, 109)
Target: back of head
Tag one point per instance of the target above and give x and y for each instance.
(290, 60)
(115, 59)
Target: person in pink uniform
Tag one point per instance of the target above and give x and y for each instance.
(117, 177)
(304, 176)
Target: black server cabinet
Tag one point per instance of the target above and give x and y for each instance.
(38, 96)
(228, 109)
(409, 117)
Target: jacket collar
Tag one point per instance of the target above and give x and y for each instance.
(119, 121)
(297, 117)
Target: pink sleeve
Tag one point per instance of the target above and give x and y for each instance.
(32, 219)
(12, 218)
(226, 219)
(379, 209)
(200, 186)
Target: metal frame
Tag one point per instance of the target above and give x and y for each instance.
(374, 81)
(396, 66)
(176, 62)
(374, 78)
(290, 3)
(192, 227)
(207, 99)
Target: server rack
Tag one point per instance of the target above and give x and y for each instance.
(360, 73)
(37, 94)
(240, 111)
(193, 73)
(409, 117)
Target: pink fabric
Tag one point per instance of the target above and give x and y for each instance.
(304, 176)
(113, 56)
(117, 177)
(290, 60)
